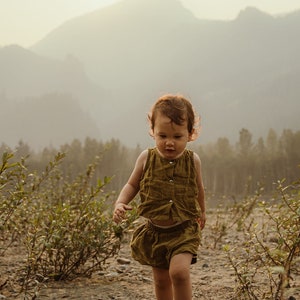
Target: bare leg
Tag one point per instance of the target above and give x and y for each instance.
(163, 284)
(180, 276)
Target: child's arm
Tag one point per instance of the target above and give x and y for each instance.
(201, 194)
(130, 189)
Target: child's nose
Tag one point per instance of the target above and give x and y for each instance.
(170, 142)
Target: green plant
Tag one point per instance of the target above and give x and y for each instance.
(12, 194)
(270, 261)
(65, 227)
(234, 216)
(219, 227)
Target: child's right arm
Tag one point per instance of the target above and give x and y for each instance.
(130, 189)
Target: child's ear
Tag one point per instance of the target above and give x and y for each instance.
(151, 133)
(191, 135)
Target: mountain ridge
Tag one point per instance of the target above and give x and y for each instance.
(227, 68)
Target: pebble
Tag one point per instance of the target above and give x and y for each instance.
(146, 279)
(112, 274)
(123, 261)
(121, 268)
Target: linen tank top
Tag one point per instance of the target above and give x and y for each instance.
(168, 188)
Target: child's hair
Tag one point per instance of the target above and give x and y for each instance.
(179, 110)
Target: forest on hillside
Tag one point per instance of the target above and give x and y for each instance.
(230, 170)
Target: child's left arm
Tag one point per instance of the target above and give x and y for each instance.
(201, 194)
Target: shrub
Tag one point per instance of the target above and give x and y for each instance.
(271, 251)
(65, 227)
(12, 194)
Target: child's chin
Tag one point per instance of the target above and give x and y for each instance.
(170, 154)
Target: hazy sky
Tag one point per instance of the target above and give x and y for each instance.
(25, 22)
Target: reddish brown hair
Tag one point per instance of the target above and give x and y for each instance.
(179, 110)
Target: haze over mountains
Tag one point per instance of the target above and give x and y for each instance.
(99, 73)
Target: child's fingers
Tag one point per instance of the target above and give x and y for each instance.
(119, 212)
(127, 207)
(118, 217)
(201, 222)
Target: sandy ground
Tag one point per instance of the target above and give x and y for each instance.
(212, 276)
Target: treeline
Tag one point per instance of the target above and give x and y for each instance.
(246, 166)
(113, 159)
(227, 169)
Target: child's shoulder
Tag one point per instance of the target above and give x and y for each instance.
(192, 154)
(197, 160)
(143, 155)
(142, 158)
(196, 156)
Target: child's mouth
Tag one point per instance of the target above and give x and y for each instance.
(170, 150)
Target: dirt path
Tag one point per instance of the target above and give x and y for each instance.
(212, 277)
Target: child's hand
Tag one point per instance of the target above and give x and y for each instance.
(119, 212)
(202, 220)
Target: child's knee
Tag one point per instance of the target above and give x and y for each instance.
(178, 275)
(162, 279)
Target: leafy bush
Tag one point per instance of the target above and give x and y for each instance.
(270, 254)
(239, 214)
(11, 192)
(65, 227)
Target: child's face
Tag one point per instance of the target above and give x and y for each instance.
(170, 138)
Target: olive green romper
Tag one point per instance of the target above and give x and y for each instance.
(168, 190)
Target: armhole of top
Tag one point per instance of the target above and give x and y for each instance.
(192, 155)
(147, 162)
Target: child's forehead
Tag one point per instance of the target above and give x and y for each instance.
(161, 116)
(163, 121)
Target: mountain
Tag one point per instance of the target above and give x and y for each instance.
(40, 99)
(115, 42)
(48, 120)
(34, 75)
(140, 49)
(239, 73)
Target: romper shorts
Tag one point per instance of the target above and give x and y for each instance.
(155, 246)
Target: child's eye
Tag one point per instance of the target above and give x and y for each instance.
(163, 136)
(177, 137)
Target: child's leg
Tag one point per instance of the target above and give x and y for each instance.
(180, 276)
(163, 284)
